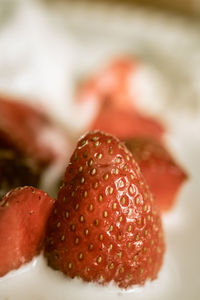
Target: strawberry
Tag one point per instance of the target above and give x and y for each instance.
(110, 94)
(29, 130)
(23, 216)
(126, 125)
(163, 175)
(112, 84)
(105, 226)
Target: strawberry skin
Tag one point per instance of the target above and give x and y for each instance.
(105, 226)
(163, 175)
(23, 217)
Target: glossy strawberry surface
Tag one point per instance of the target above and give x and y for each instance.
(105, 226)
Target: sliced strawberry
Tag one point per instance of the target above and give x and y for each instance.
(113, 83)
(23, 216)
(105, 225)
(112, 92)
(30, 131)
(163, 175)
(126, 125)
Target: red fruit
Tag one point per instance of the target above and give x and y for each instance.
(28, 130)
(114, 112)
(112, 84)
(126, 125)
(161, 172)
(23, 216)
(105, 225)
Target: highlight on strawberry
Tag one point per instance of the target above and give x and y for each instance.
(105, 225)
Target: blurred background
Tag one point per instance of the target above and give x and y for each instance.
(48, 47)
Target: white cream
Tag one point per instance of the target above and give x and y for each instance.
(37, 281)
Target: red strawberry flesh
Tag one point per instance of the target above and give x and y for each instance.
(163, 175)
(105, 225)
(23, 216)
(111, 92)
(126, 125)
(113, 83)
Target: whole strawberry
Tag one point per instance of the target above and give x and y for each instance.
(105, 226)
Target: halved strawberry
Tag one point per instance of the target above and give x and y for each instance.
(110, 93)
(113, 83)
(105, 225)
(163, 175)
(23, 216)
(126, 125)
(29, 130)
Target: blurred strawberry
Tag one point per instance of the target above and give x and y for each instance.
(126, 125)
(27, 129)
(23, 216)
(37, 144)
(114, 109)
(112, 84)
(163, 175)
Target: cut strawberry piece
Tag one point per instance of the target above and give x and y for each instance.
(126, 125)
(113, 83)
(29, 130)
(23, 216)
(161, 172)
(114, 112)
(105, 225)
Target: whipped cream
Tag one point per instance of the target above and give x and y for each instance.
(37, 281)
